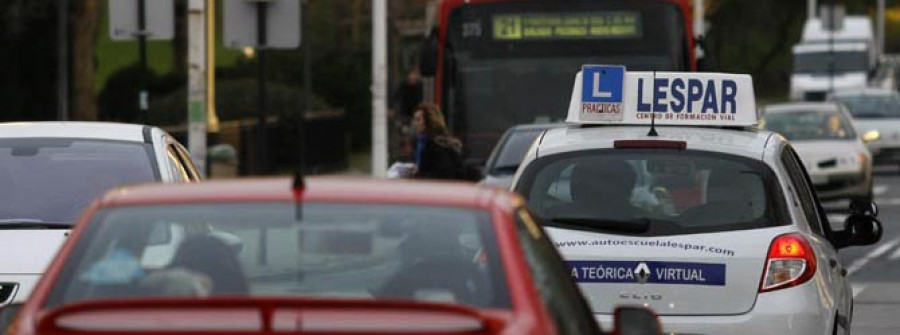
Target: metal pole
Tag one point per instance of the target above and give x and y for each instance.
(198, 36)
(261, 147)
(379, 88)
(307, 81)
(62, 60)
(261, 141)
(143, 103)
(810, 9)
(699, 27)
(880, 27)
(831, 13)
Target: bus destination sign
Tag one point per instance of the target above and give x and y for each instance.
(555, 26)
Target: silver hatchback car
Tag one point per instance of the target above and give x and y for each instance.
(876, 113)
(829, 145)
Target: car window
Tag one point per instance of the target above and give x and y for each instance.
(52, 180)
(806, 197)
(561, 298)
(179, 174)
(186, 161)
(262, 249)
(513, 151)
(809, 125)
(872, 105)
(653, 192)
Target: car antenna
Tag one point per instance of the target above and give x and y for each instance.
(652, 132)
(298, 180)
(298, 186)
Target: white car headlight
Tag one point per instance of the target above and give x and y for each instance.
(871, 136)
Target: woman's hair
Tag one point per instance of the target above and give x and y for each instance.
(435, 125)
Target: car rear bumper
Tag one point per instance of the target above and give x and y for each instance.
(796, 310)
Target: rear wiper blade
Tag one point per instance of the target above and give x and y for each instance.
(25, 223)
(633, 226)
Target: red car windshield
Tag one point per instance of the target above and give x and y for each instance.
(281, 250)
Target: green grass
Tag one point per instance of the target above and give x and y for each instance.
(113, 56)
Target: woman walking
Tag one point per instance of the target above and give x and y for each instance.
(438, 155)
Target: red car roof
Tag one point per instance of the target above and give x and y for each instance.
(317, 189)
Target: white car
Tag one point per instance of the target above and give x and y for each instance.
(51, 171)
(509, 152)
(736, 243)
(826, 139)
(876, 113)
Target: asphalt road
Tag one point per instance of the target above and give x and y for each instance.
(875, 270)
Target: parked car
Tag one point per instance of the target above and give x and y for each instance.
(876, 113)
(51, 171)
(825, 138)
(509, 152)
(321, 256)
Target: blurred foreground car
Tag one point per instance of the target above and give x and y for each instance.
(51, 171)
(509, 152)
(331, 256)
(827, 142)
(876, 113)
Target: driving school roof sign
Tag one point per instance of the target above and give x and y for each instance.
(605, 94)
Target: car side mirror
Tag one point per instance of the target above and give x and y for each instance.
(863, 207)
(861, 227)
(635, 321)
(863, 230)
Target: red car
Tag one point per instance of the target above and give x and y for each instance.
(333, 256)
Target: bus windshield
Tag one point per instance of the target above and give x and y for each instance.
(508, 63)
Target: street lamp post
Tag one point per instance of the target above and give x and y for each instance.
(379, 88)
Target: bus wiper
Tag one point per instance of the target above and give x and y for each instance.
(27, 223)
(633, 226)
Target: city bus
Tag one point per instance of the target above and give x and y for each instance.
(498, 63)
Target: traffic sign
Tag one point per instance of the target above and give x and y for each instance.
(123, 19)
(282, 24)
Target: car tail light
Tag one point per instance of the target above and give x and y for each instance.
(791, 261)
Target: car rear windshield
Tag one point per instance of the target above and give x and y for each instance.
(321, 250)
(804, 125)
(51, 180)
(650, 192)
(872, 105)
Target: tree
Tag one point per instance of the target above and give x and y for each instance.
(756, 37)
(85, 17)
